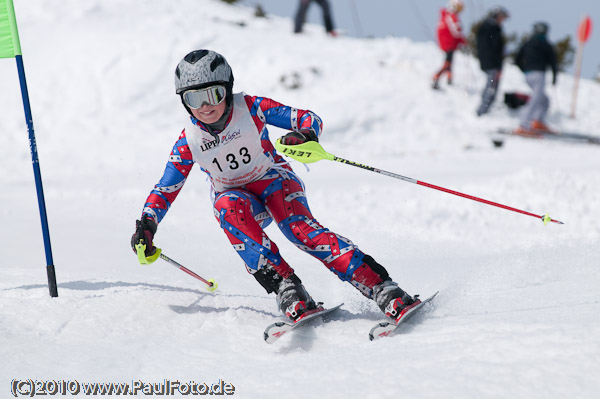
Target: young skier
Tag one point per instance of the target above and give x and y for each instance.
(533, 58)
(449, 34)
(226, 135)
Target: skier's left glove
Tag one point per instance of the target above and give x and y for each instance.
(144, 233)
(295, 138)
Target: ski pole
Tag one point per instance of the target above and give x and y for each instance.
(211, 284)
(311, 151)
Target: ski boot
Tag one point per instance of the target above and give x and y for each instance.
(521, 131)
(293, 300)
(392, 300)
(539, 126)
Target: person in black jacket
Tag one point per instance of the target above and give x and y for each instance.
(490, 51)
(301, 16)
(534, 57)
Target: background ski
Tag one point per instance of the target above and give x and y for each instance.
(276, 330)
(387, 328)
(560, 136)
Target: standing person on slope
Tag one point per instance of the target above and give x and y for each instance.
(327, 17)
(490, 51)
(533, 58)
(252, 185)
(449, 34)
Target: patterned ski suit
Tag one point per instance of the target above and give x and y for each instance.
(253, 185)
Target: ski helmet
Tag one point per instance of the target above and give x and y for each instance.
(540, 28)
(203, 68)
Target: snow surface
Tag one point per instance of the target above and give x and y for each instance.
(517, 315)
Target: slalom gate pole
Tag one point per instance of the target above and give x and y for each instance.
(311, 151)
(140, 247)
(10, 46)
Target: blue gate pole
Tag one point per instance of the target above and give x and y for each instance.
(38, 179)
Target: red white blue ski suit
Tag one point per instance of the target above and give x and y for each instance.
(254, 185)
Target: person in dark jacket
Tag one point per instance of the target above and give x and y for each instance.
(534, 57)
(490, 51)
(301, 16)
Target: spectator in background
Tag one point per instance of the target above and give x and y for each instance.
(301, 16)
(490, 51)
(449, 34)
(534, 57)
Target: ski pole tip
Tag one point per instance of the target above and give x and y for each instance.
(212, 285)
(546, 219)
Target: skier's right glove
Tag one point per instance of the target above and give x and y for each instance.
(295, 138)
(144, 233)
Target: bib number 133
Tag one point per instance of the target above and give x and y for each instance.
(232, 161)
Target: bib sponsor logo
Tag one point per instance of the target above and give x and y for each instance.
(227, 137)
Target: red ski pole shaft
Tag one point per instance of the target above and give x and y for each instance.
(544, 218)
(212, 285)
(312, 151)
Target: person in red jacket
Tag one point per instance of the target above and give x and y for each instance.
(449, 34)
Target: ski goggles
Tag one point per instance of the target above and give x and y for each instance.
(213, 95)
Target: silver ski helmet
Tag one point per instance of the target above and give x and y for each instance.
(203, 68)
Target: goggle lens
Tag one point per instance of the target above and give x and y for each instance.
(213, 95)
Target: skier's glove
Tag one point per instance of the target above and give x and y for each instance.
(295, 138)
(144, 230)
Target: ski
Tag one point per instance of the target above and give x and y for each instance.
(387, 328)
(276, 330)
(559, 136)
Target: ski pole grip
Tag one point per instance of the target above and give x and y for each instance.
(140, 248)
(308, 152)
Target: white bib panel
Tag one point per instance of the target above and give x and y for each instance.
(238, 157)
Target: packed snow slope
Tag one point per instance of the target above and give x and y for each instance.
(517, 315)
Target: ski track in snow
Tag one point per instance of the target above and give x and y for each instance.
(518, 310)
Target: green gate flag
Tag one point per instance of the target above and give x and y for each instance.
(9, 36)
